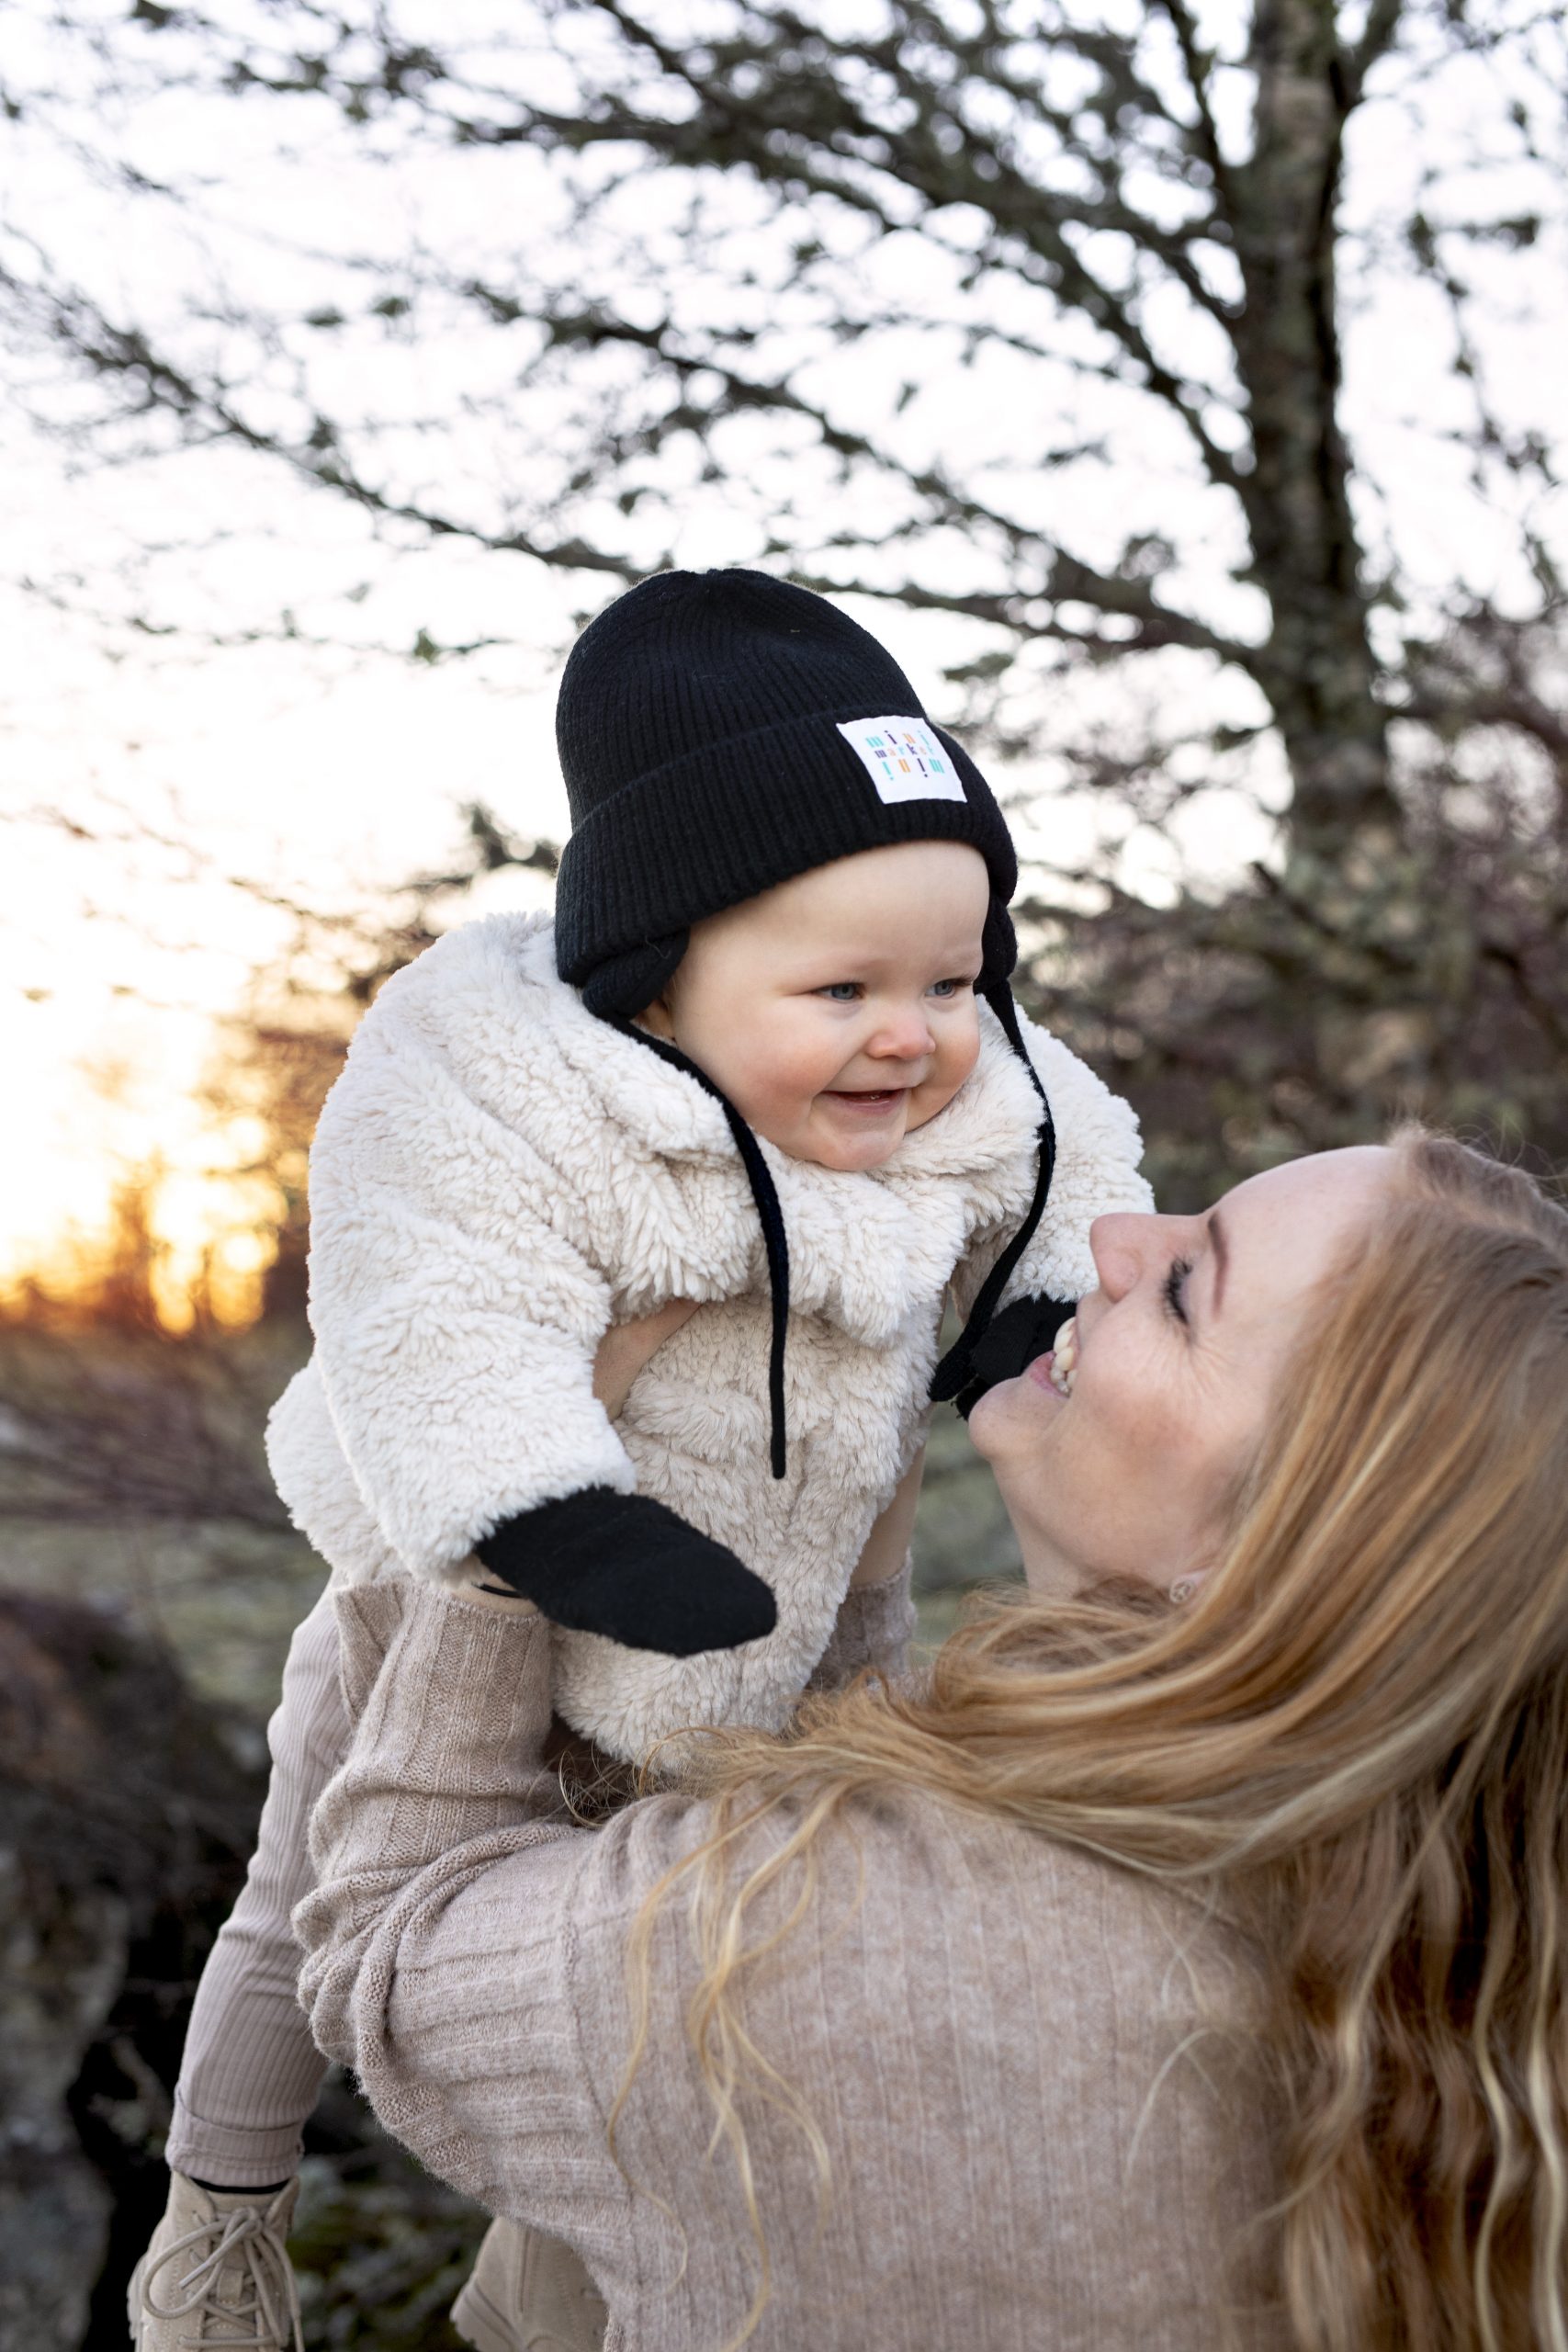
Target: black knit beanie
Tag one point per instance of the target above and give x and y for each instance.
(721, 732)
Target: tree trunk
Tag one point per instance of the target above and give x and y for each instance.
(1318, 669)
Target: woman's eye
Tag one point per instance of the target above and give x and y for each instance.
(841, 992)
(1173, 1286)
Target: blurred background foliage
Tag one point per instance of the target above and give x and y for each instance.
(1067, 248)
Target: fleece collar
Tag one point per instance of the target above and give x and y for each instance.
(866, 1249)
(990, 1121)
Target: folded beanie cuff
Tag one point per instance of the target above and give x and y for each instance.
(729, 820)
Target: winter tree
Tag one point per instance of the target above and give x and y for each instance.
(1186, 367)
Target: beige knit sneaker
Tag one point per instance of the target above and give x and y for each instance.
(216, 2276)
(530, 2293)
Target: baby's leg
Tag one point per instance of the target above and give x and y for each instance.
(251, 2072)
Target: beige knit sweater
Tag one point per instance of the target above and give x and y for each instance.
(1040, 2134)
(251, 2073)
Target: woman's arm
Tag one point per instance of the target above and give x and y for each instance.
(453, 1906)
(887, 1548)
(877, 1616)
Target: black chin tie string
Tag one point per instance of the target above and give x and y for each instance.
(770, 1216)
(955, 1372)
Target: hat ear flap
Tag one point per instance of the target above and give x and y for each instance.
(624, 984)
(998, 946)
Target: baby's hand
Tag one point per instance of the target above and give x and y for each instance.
(628, 1348)
(624, 1566)
(1009, 1344)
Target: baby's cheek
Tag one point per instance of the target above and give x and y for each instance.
(962, 1050)
(958, 1050)
(786, 1075)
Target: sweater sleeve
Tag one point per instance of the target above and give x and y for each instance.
(872, 1630)
(1099, 1152)
(448, 1908)
(454, 1308)
(251, 2073)
(454, 1906)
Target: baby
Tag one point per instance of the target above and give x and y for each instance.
(765, 1059)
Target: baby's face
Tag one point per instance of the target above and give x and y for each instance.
(837, 1011)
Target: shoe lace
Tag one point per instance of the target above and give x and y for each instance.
(272, 2300)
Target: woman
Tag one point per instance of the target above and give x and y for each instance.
(1185, 1966)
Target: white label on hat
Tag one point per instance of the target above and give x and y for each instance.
(903, 757)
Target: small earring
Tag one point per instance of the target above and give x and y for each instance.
(1184, 1589)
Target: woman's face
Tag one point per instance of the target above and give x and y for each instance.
(1178, 1353)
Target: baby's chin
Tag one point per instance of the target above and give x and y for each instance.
(849, 1155)
(846, 1142)
(829, 1136)
(850, 1142)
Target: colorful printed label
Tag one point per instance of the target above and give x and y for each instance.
(903, 758)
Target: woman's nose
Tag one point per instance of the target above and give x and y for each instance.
(1120, 1244)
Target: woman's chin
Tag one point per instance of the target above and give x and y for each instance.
(1022, 1407)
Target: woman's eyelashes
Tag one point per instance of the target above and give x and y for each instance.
(1174, 1289)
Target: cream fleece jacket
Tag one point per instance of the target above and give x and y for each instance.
(498, 1177)
(1030, 2068)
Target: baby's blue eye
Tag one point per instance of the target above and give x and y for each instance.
(949, 987)
(841, 992)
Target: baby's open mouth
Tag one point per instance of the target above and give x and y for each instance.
(882, 1098)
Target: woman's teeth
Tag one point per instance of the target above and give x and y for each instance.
(1064, 1358)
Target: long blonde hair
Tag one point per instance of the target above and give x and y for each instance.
(1354, 1745)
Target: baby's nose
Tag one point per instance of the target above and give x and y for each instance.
(903, 1036)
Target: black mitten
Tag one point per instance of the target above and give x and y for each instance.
(1010, 1342)
(625, 1566)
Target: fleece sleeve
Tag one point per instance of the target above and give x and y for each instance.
(454, 1308)
(1099, 1150)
